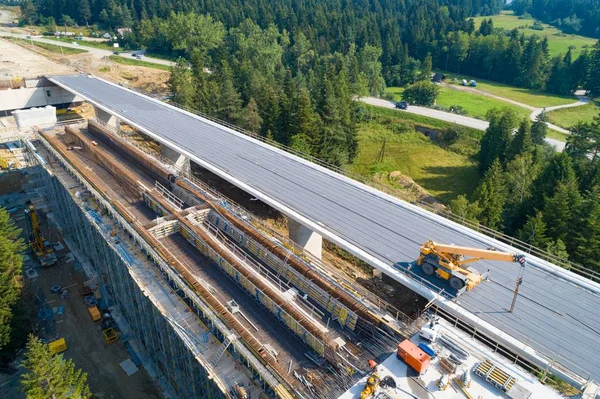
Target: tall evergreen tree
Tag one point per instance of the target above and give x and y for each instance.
(558, 211)
(534, 231)
(584, 242)
(497, 137)
(11, 262)
(426, 68)
(539, 128)
(50, 375)
(252, 119)
(491, 195)
(461, 207)
(522, 142)
(593, 74)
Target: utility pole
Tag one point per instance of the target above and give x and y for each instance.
(518, 283)
(381, 154)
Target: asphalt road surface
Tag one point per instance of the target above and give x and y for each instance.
(447, 117)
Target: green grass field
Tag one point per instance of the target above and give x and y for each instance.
(568, 117)
(95, 44)
(50, 47)
(532, 98)
(443, 173)
(476, 105)
(136, 62)
(558, 42)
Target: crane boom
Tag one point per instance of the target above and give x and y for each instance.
(448, 263)
(474, 252)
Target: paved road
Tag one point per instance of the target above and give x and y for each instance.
(581, 100)
(95, 52)
(447, 117)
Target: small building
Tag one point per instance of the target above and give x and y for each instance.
(122, 31)
(438, 78)
(106, 36)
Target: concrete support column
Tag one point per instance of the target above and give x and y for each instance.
(180, 160)
(108, 119)
(306, 238)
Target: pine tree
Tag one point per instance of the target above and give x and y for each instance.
(558, 170)
(558, 211)
(497, 137)
(461, 207)
(11, 262)
(522, 142)
(252, 119)
(534, 231)
(229, 103)
(593, 74)
(50, 375)
(491, 195)
(181, 84)
(539, 128)
(584, 242)
(426, 68)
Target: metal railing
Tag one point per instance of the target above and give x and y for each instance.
(591, 274)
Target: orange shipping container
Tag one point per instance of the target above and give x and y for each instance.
(413, 356)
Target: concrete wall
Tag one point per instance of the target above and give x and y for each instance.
(28, 97)
(45, 116)
(305, 237)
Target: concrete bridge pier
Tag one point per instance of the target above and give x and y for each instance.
(108, 119)
(305, 238)
(180, 160)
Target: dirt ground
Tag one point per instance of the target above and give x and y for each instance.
(84, 338)
(22, 61)
(17, 62)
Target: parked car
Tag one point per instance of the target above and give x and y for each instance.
(402, 105)
(116, 53)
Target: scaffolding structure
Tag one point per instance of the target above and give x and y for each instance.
(143, 293)
(176, 266)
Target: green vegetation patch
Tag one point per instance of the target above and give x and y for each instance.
(476, 105)
(440, 169)
(136, 62)
(558, 42)
(567, 117)
(50, 47)
(532, 98)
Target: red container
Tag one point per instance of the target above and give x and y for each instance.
(413, 356)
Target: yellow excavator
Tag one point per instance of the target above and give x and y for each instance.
(448, 263)
(42, 248)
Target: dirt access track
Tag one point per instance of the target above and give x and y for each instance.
(18, 62)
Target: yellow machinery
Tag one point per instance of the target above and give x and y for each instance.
(58, 346)
(372, 384)
(448, 263)
(42, 248)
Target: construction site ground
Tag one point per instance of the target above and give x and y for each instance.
(85, 341)
(18, 62)
(21, 60)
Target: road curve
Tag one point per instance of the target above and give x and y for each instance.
(446, 116)
(581, 100)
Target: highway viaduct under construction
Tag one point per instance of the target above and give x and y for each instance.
(555, 312)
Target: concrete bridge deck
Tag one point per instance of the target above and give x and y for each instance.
(556, 316)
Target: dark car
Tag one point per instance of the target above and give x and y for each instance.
(402, 105)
